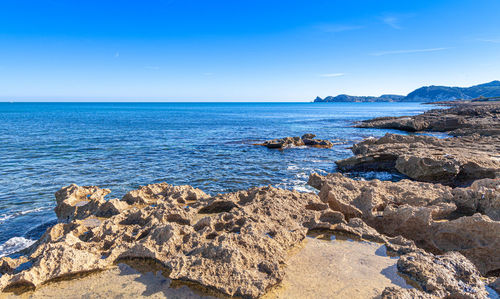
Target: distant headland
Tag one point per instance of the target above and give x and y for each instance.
(426, 93)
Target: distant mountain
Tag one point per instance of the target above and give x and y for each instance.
(348, 98)
(427, 93)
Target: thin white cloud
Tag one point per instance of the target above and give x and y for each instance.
(490, 40)
(334, 28)
(382, 53)
(152, 67)
(332, 75)
(392, 21)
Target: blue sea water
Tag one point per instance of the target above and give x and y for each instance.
(44, 146)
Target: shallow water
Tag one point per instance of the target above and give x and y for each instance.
(338, 269)
(123, 145)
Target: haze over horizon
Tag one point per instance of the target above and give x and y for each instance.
(167, 50)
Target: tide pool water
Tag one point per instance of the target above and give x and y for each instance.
(120, 146)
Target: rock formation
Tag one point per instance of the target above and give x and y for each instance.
(423, 212)
(462, 119)
(234, 243)
(305, 140)
(238, 243)
(451, 161)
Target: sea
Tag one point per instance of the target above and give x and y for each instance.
(120, 146)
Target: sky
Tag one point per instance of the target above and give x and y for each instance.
(242, 50)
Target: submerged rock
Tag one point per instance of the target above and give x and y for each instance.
(305, 140)
(424, 212)
(451, 161)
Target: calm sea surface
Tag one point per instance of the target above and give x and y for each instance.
(44, 146)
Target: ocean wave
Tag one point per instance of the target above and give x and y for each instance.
(302, 188)
(5, 217)
(14, 245)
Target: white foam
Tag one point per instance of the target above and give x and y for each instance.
(5, 217)
(14, 245)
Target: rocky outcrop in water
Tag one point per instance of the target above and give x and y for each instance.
(451, 161)
(430, 214)
(462, 119)
(234, 243)
(305, 140)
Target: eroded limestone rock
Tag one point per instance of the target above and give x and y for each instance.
(451, 161)
(424, 212)
(445, 276)
(235, 243)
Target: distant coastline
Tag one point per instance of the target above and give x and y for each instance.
(425, 94)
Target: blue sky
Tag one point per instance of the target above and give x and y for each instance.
(169, 50)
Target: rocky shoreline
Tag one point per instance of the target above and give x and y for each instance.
(474, 152)
(443, 226)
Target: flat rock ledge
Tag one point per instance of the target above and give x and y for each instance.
(238, 244)
(456, 161)
(305, 140)
(463, 118)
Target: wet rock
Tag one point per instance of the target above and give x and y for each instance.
(305, 140)
(308, 136)
(445, 276)
(424, 212)
(451, 161)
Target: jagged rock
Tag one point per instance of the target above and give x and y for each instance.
(423, 212)
(464, 118)
(235, 243)
(152, 194)
(483, 196)
(305, 140)
(75, 202)
(446, 276)
(9, 265)
(451, 161)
